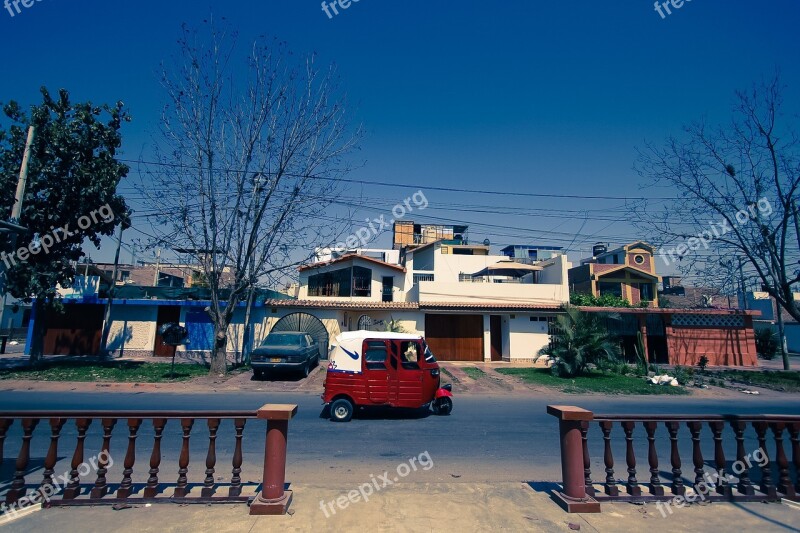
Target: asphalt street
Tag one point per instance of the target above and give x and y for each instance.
(485, 439)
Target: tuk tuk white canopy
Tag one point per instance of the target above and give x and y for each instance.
(345, 354)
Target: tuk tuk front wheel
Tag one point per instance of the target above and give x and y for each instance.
(442, 406)
(341, 410)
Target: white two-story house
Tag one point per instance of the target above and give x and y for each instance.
(469, 304)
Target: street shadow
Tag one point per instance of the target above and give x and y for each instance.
(383, 413)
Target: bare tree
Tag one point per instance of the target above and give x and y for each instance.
(248, 161)
(735, 186)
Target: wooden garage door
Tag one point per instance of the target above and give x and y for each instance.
(75, 331)
(455, 337)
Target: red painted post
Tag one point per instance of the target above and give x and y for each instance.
(574, 497)
(273, 499)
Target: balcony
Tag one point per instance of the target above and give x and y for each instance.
(526, 293)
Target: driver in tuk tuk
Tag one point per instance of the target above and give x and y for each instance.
(410, 355)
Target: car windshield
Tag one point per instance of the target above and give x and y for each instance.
(282, 339)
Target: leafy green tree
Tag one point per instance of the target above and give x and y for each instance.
(579, 339)
(70, 195)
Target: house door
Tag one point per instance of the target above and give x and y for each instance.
(166, 314)
(496, 336)
(407, 378)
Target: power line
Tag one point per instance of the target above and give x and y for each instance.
(413, 186)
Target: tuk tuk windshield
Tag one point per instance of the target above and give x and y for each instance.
(429, 355)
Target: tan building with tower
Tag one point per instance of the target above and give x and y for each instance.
(628, 272)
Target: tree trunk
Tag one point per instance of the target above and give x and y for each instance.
(782, 340)
(219, 353)
(247, 333)
(39, 329)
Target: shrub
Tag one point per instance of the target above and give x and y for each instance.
(702, 363)
(589, 300)
(683, 375)
(766, 343)
(579, 339)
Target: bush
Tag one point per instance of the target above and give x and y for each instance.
(580, 339)
(702, 363)
(766, 343)
(589, 300)
(682, 374)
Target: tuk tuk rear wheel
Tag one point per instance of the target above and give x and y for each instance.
(341, 410)
(442, 406)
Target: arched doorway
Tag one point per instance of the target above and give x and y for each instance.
(308, 324)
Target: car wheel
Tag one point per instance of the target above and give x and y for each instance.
(341, 410)
(442, 406)
(258, 374)
(306, 369)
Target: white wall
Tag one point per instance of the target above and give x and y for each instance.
(526, 337)
(435, 291)
(555, 271)
(133, 327)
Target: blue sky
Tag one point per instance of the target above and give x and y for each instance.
(515, 96)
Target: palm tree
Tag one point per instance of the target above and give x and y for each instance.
(394, 326)
(580, 339)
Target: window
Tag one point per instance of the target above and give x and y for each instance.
(362, 281)
(410, 355)
(638, 259)
(375, 355)
(646, 292)
(333, 283)
(608, 287)
(355, 281)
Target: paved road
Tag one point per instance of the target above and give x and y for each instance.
(486, 439)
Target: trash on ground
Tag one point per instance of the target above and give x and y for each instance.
(663, 379)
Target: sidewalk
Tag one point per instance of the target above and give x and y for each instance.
(417, 507)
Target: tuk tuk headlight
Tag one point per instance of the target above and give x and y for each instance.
(435, 372)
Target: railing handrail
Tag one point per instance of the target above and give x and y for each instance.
(81, 413)
(693, 418)
(579, 494)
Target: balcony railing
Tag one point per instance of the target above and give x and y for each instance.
(423, 276)
(178, 426)
(739, 473)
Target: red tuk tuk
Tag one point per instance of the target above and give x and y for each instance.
(369, 368)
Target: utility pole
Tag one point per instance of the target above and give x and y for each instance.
(111, 292)
(158, 264)
(23, 177)
(16, 211)
(741, 285)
